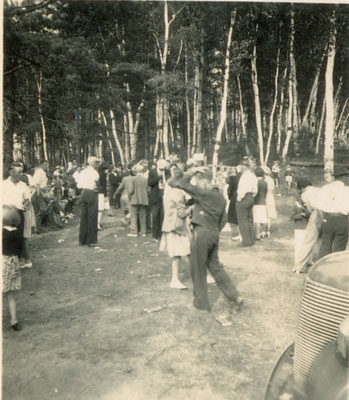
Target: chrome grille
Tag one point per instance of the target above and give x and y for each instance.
(322, 309)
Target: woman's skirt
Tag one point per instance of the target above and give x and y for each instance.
(11, 274)
(270, 203)
(260, 214)
(174, 244)
(29, 221)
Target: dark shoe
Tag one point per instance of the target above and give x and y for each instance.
(235, 306)
(16, 327)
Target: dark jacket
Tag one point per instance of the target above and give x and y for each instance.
(156, 193)
(209, 207)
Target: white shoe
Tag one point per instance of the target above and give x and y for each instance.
(177, 285)
(27, 265)
(132, 235)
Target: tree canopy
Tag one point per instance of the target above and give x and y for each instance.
(127, 80)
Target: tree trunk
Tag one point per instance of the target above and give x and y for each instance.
(293, 77)
(115, 134)
(289, 116)
(44, 138)
(258, 115)
(322, 118)
(195, 109)
(223, 113)
(243, 120)
(271, 119)
(280, 114)
(329, 120)
(187, 105)
(307, 120)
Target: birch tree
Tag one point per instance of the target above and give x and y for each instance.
(223, 112)
(329, 103)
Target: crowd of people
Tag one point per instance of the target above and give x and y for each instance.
(184, 206)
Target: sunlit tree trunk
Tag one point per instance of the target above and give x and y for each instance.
(281, 113)
(187, 105)
(321, 123)
(115, 134)
(258, 115)
(223, 112)
(329, 120)
(242, 118)
(44, 136)
(271, 119)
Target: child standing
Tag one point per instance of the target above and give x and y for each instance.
(12, 243)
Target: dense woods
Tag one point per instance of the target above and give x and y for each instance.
(128, 80)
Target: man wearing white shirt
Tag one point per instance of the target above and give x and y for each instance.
(247, 190)
(88, 182)
(17, 194)
(333, 201)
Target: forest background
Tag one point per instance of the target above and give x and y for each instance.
(126, 80)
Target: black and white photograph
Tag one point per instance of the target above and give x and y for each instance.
(175, 200)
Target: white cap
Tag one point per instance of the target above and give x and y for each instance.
(92, 159)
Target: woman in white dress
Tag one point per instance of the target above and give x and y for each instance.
(175, 231)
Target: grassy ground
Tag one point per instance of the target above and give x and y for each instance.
(86, 335)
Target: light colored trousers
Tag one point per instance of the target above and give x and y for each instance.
(310, 241)
(138, 212)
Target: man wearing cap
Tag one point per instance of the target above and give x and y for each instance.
(247, 190)
(209, 217)
(88, 182)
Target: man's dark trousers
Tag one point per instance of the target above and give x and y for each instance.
(204, 255)
(334, 233)
(245, 220)
(157, 213)
(89, 216)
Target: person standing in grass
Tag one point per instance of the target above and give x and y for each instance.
(12, 244)
(89, 184)
(175, 235)
(208, 219)
(138, 202)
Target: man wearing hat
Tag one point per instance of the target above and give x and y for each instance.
(209, 217)
(89, 183)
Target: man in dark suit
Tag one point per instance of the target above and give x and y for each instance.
(156, 181)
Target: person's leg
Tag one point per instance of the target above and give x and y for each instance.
(341, 234)
(198, 267)
(222, 279)
(134, 219)
(326, 241)
(12, 307)
(241, 212)
(83, 219)
(249, 203)
(155, 211)
(175, 282)
(142, 212)
(92, 230)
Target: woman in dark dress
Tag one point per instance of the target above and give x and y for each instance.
(233, 182)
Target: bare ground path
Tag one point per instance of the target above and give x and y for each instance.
(86, 335)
